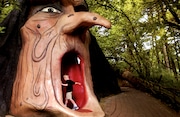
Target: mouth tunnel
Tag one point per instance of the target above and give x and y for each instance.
(73, 65)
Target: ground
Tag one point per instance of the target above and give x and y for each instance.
(134, 103)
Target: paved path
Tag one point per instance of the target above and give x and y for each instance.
(134, 103)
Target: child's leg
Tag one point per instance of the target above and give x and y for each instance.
(66, 101)
(73, 102)
(75, 107)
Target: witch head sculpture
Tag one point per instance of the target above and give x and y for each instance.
(55, 42)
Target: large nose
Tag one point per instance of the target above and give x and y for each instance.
(84, 20)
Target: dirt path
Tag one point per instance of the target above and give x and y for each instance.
(134, 103)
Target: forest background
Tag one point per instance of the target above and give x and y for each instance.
(144, 38)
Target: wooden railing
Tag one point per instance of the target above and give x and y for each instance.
(170, 96)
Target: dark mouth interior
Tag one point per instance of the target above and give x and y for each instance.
(73, 65)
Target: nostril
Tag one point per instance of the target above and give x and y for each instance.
(38, 26)
(94, 18)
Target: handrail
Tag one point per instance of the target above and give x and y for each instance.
(171, 95)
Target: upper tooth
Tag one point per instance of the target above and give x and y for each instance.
(78, 60)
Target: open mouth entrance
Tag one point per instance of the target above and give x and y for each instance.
(73, 66)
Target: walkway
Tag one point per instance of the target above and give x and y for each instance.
(134, 103)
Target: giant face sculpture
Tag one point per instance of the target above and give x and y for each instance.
(55, 42)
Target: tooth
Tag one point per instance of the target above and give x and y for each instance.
(78, 60)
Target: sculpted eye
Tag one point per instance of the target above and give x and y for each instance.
(50, 10)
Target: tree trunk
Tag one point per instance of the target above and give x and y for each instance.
(177, 48)
(166, 59)
(174, 68)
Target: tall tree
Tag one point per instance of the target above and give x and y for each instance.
(139, 30)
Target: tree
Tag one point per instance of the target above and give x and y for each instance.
(141, 32)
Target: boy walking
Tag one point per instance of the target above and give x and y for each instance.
(69, 88)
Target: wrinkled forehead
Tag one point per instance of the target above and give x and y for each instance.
(79, 5)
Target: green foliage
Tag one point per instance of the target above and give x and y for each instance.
(2, 29)
(136, 24)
